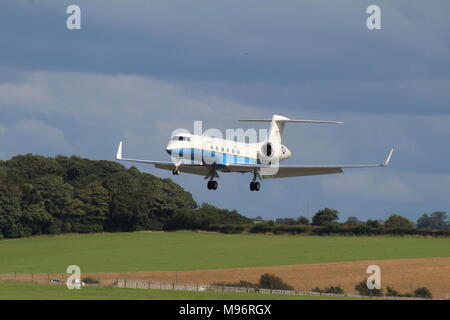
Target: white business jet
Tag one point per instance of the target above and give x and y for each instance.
(206, 156)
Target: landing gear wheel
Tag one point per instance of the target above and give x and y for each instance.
(175, 172)
(255, 186)
(212, 185)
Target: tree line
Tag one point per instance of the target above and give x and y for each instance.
(325, 221)
(436, 221)
(41, 195)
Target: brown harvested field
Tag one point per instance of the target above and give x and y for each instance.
(403, 275)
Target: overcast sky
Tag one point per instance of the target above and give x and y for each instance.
(139, 69)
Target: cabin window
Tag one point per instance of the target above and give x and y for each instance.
(228, 150)
(217, 148)
(223, 149)
(232, 150)
(238, 152)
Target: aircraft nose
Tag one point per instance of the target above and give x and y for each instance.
(289, 153)
(169, 148)
(286, 152)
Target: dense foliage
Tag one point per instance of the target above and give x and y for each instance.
(40, 195)
(266, 281)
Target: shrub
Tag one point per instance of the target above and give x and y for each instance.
(332, 289)
(422, 293)
(391, 292)
(364, 291)
(89, 280)
(271, 281)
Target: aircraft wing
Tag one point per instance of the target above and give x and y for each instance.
(168, 165)
(285, 171)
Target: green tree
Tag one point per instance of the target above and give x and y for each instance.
(35, 219)
(437, 220)
(396, 221)
(325, 216)
(271, 281)
(10, 208)
(94, 203)
(352, 221)
(303, 220)
(373, 223)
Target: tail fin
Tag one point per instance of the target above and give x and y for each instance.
(277, 126)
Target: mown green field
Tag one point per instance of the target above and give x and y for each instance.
(33, 291)
(169, 251)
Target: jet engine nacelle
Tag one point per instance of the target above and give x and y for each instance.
(269, 152)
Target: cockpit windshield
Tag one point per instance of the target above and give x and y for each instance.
(181, 138)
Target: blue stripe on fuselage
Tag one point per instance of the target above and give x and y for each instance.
(210, 157)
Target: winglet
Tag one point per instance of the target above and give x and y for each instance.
(119, 151)
(388, 158)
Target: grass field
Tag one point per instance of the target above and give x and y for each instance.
(169, 251)
(32, 291)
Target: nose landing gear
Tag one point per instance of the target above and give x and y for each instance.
(212, 185)
(175, 172)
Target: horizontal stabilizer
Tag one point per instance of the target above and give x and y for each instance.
(291, 121)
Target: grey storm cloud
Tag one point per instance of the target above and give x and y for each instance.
(305, 54)
(139, 69)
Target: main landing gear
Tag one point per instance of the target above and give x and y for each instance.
(255, 186)
(175, 172)
(212, 185)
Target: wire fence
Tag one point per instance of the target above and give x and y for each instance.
(61, 279)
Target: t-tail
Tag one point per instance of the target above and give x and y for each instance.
(278, 122)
